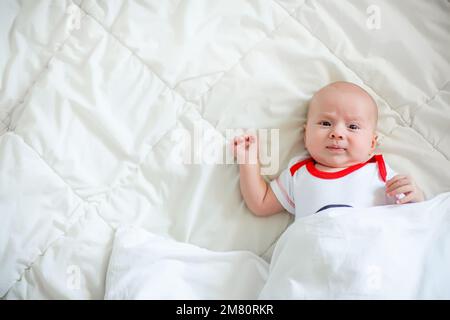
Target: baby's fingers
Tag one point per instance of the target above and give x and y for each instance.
(235, 143)
(406, 199)
(392, 180)
(249, 139)
(402, 189)
(238, 140)
(397, 181)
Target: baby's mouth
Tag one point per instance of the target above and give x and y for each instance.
(336, 148)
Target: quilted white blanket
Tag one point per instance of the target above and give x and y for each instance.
(386, 252)
(99, 101)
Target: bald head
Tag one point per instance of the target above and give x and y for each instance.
(342, 94)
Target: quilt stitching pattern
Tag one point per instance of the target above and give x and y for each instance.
(238, 62)
(44, 251)
(419, 107)
(95, 203)
(41, 73)
(10, 129)
(81, 202)
(405, 123)
(173, 88)
(129, 49)
(106, 195)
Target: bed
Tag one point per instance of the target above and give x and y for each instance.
(97, 98)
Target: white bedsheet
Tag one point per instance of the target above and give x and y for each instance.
(146, 266)
(94, 95)
(386, 252)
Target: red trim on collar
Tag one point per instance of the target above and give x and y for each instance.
(339, 174)
(300, 164)
(310, 166)
(381, 166)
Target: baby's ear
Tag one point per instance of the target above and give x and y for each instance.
(374, 141)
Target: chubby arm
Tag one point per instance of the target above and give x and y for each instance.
(256, 192)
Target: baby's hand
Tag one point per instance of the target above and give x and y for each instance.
(245, 148)
(406, 185)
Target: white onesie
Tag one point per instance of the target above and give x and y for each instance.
(302, 189)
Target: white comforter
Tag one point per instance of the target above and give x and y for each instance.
(96, 95)
(386, 252)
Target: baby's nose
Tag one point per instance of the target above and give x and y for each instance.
(334, 135)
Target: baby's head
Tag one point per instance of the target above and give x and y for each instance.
(341, 125)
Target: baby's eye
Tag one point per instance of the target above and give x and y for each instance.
(353, 127)
(325, 123)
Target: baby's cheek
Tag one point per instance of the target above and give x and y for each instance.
(365, 143)
(360, 149)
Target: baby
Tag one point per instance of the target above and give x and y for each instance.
(342, 170)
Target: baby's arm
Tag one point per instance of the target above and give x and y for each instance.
(257, 194)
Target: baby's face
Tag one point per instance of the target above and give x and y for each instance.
(340, 130)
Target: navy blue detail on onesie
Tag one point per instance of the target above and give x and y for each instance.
(333, 206)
